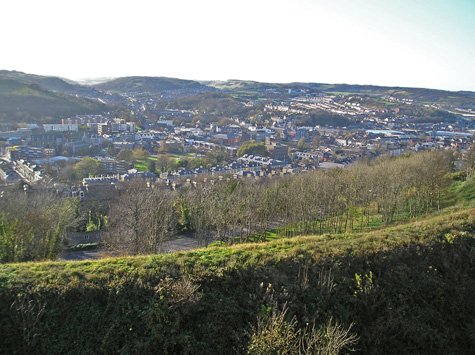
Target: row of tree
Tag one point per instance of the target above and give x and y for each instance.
(334, 201)
(34, 226)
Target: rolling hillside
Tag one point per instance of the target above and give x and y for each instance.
(50, 83)
(150, 85)
(31, 102)
(460, 98)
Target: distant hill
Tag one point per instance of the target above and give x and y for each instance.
(443, 97)
(457, 98)
(31, 102)
(144, 84)
(94, 81)
(51, 83)
(217, 104)
(238, 85)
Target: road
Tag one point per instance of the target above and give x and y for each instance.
(177, 244)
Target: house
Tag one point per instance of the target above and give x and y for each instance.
(226, 138)
(76, 238)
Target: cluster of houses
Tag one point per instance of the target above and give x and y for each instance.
(279, 132)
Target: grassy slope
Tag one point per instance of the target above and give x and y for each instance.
(145, 84)
(418, 297)
(48, 82)
(31, 102)
(462, 98)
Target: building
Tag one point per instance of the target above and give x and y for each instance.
(278, 151)
(112, 166)
(30, 172)
(116, 126)
(226, 138)
(61, 127)
(84, 120)
(49, 139)
(7, 174)
(28, 153)
(76, 238)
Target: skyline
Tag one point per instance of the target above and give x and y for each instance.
(402, 43)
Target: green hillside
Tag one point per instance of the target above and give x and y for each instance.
(460, 98)
(47, 82)
(143, 84)
(30, 102)
(239, 85)
(406, 290)
(442, 97)
(213, 103)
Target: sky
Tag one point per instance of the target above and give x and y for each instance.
(413, 43)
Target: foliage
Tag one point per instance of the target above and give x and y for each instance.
(86, 167)
(126, 155)
(141, 220)
(324, 118)
(419, 299)
(34, 227)
(252, 147)
(30, 102)
(275, 335)
(142, 84)
(215, 104)
(151, 165)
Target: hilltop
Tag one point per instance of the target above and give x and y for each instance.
(155, 85)
(31, 102)
(211, 101)
(406, 289)
(150, 85)
(50, 83)
(462, 98)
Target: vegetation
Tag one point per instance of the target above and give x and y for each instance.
(143, 84)
(399, 289)
(324, 118)
(252, 147)
(441, 97)
(47, 82)
(30, 102)
(34, 227)
(354, 199)
(216, 105)
(167, 162)
(85, 168)
(405, 289)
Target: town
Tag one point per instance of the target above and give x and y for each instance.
(173, 151)
(252, 177)
(193, 136)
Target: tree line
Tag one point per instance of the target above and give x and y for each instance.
(35, 226)
(381, 191)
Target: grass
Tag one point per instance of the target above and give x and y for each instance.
(413, 293)
(216, 257)
(141, 165)
(463, 191)
(184, 155)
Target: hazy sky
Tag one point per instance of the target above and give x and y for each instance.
(417, 43)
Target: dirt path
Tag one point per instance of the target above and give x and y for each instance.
(178, 244)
